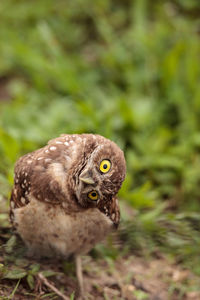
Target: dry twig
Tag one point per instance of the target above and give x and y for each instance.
(52, 287)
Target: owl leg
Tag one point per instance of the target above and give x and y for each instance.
(79, 275)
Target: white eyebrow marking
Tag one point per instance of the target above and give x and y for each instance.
(52, 148)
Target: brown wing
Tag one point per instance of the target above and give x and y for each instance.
(42, 174)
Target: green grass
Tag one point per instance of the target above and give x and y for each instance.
(128, 70)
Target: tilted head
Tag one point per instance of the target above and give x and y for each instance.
(101, 171)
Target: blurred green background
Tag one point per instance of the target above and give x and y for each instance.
(128, 70)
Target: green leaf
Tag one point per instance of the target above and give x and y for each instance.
(34, 269)
(10, 244)
(48, 273)
(31, 281)
(72, 296)
(15, 274)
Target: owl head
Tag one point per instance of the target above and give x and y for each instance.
(101, 171)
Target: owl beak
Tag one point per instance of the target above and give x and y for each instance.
(87, 180)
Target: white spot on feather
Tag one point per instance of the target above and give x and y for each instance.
(58, 142)
(52, 148)
(12, 204)
(113, 216)
(29, 161)
(64, 205)
(47, 151)
(57, 172)
(66, 143)
(47, 160)
(67, 158)
(23, 201)
(39, 158)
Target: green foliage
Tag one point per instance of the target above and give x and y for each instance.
(128, 70)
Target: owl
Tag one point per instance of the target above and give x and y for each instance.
(64, 197)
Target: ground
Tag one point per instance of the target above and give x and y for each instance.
(126, 278)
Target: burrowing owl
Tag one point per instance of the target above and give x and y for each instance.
(64, 197)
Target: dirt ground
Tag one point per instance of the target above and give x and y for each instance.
(130, 278)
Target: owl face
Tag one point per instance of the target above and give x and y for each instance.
(101, 175)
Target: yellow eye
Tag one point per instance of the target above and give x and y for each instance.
(93, 195)
(105, 166)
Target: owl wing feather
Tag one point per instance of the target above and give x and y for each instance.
(41, 174)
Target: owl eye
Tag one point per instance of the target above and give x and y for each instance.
(105, 166)
(93, 195)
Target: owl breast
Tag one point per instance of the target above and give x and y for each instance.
(65, 234)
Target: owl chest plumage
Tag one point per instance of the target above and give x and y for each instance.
(50, 231)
